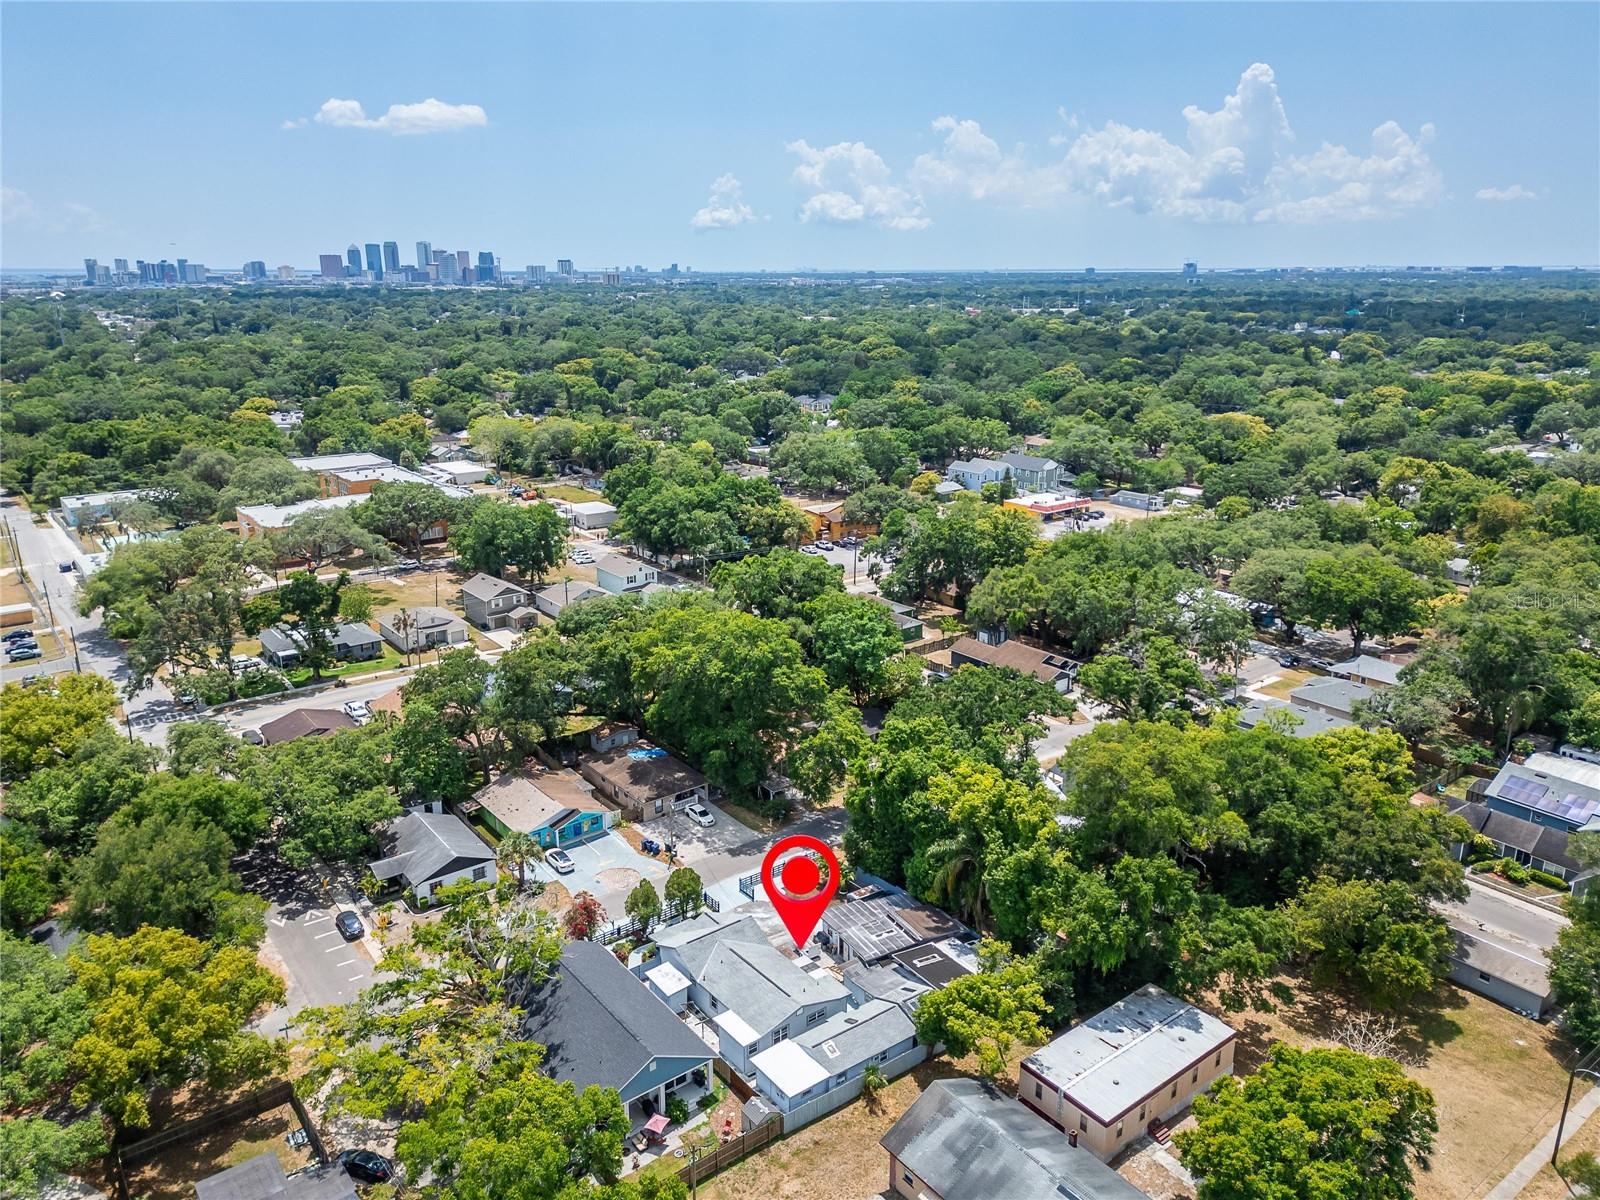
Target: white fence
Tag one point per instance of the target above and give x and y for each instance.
(840, 1096)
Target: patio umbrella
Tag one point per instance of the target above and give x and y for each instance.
(658, 1123)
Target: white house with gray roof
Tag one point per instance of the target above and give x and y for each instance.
(754, 995)
(422, 628)
(619, 573)
(828, 1060)
(426, 851)
(492, 602)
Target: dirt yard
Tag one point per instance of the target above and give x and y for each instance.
(1497, 1079)
(172, 1175)
(838, 1157)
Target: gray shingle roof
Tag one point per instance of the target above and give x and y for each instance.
(1336, 695)
(423, 846)
(966, 1141)
(1027, 462)
(352, 633)
(752, 978)
(1309, 721)
(601, 1025)
(486, 587)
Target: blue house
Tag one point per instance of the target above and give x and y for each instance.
(1552, 790)
(555, 808)
(600, 1025)
(831, 1057)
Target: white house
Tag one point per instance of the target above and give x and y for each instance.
(592, 514)
(618, 573)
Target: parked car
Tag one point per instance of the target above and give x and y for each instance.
(1097, 514)
(253, 736)
(560, 862)
(366, 1166)
(809, 549)
(358, 711)
(700, 814)
(64, 567)
(18, 635)
(24, 652)
(30, 680)
(1288, 660)
(246, 662)
(581, 555)
(349, 926)
(824, 545)
(186, 700)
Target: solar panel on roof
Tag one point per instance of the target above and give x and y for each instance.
(1523, 791)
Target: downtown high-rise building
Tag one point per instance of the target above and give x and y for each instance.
(255, 270)
(535, 273)
(487, 271)
(449, 268)
(331, 266)
(352, 260)
(375, 259)
(391, 258)
(91, 270)
(424, 255)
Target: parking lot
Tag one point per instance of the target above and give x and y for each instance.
(318, 966)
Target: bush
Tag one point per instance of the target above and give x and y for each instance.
(1547, 879)
(677, 1110)
(1511, 869)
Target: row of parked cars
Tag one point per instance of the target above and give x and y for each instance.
(21, 645)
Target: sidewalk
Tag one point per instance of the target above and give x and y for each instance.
(1519, 1176)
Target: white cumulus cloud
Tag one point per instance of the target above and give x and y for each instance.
(1515, 192)
(1235, 163)
(849, 183)
(402, 120)
(726, 207)
(18, 208)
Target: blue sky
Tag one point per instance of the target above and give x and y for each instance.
(791, 136)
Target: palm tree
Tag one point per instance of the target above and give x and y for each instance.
(873, 1081)
(958, 877)
(516, 851)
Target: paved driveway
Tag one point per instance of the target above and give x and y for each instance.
(608, 868)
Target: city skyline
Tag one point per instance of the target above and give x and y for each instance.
(741, 138)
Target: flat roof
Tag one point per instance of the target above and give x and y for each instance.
(592, 508)
(668, 978)
(1119, 1056)
(276, 516)
(339, 462)
(789, 1067)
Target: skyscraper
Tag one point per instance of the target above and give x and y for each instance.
(487, 271)
(563, 266)
(1190, 270)
(255, 270)
(352, 261)
(463, 261)
(391, 258)
(536, 273)
(449, 269)
(91, 270)
(375, 259)
(424, 255)
(331, 266)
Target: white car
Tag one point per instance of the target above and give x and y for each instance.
(246, 662)
(358, 711)
(580, 555)
(700, 814)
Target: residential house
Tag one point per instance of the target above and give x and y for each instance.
(947, 489)
(618, 573)
(555, 808)
(937, 963)
(828, 1060)
(828, 523)
(1542, 847)
(884, 981)
(1364, 668)
(1461, 572)
(964, 1140)
(305, 722)
(755, 995)
(821, 403)
(875, 922)
(643, 781)
(1302, 723)
(1507, 971)
(592, 514)
(1554, 790)
(553, 600)
(1030, 473)
(601, 1026)
(904, 617)
(263, 1178)
(1126, 1070)
(283, 645)
(426, 851)
(423, 628)
(263, 520)
(1055, 669)
(973, 473)
(492, 602)
(1336, 697)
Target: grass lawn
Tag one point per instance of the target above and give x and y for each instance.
(1497, 1078)
(1288, 679)
(415, 590)
(387, 661)
(838, 1157)
(563, 491)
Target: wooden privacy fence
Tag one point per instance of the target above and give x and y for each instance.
(252, 1104)
(730, 1152)
(736, 1083)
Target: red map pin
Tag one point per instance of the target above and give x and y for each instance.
(802, 893)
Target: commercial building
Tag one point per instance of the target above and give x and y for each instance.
(94, 507)
(374, 260)
(592, 514)
(391, 258)
(352, 261)
(1126, 1070)
(330, 266)
(424, 255)
(259, 520)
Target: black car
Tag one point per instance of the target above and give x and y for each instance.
(349, 926)
(64, 567)
(18, 635)
(366, 1166)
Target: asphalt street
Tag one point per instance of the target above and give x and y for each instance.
(1508, 916)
